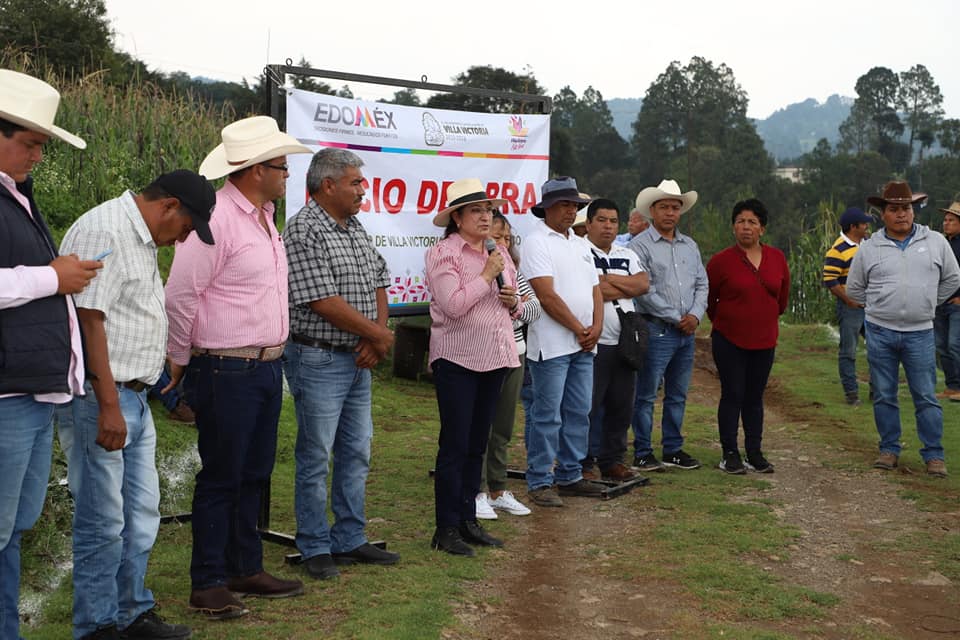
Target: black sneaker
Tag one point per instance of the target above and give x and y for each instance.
(448, 540)
(103, 633)
(150, 625)
(473, 533)
(680, 460)
(648, 462)
(732, 463)
(756, 462)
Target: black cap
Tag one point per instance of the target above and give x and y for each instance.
(195, 193)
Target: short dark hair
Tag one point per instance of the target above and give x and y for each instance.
(751, 204)
(8, 128)
(601, 203)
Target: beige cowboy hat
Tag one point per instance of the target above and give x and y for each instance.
(953, 208)
(248, 142)
(32, 103)
(666, 190)
(460, 193)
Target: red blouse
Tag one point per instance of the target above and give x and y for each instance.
(744, 302)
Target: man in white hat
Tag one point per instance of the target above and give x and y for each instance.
(946, 322)
(41, 357)
(901, 274)
(338, 333)
(673, 307)
(561, 346)
(227, 306)
(108, 435)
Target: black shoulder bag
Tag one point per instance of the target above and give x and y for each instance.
(632, 345)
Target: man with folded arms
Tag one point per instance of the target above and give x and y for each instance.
(108, 434)
(227, 306)
(338, 333)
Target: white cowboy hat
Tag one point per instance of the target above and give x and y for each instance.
(32, 103)
(463, 192)
(666, 190)
(248, 142)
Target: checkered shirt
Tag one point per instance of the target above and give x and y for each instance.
(327, 260)
(128, 290)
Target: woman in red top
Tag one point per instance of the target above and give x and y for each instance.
(749, 289)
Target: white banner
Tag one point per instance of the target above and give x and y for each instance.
(410, 155)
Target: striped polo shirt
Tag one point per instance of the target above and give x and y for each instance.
(836, 264)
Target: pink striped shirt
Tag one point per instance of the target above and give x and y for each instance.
(234, 293)
(471, 327)
(22, 284)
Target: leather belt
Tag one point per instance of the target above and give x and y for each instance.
(135, 385)
(264, 354)
(320, 344)
(656, 320)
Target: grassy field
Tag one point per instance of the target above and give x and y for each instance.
(695, 520)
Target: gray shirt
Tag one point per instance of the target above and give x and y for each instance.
(678, 281)
(901, 287)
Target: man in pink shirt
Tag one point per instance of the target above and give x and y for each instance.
(227, 307)
(41, 358)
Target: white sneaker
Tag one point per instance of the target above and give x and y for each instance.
(484, 510)
(511, 505)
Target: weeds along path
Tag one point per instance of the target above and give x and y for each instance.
(581, 571)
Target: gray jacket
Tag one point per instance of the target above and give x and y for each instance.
(901, 288)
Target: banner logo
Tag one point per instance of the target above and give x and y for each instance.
(432, 132)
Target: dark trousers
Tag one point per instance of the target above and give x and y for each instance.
(467, 401)
(237, 404)
(743, 379)
(614, 390)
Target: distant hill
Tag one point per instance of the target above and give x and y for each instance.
(787, 134)
(794, 130)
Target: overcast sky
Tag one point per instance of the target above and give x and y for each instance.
(780, 52)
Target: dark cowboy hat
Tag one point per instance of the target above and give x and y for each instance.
(896, 192)
(557, 190)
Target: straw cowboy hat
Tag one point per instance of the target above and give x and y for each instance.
(463, 192)
(953, 208)
(896, 192)
(32, 103)
(248, 142)
(666, 190)
(557, 190)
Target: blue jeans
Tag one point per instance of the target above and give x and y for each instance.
(526, 400)
(850, 324)
(886, 351)
(171, 398)
(946, 329)
(26, 440)
(562, 390)
(670, 357)
(332, 399)
(237, 403)
(116, 515)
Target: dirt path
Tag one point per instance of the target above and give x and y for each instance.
(558, 578)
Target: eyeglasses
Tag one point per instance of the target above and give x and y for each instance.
(278, 167)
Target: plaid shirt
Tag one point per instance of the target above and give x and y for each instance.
(327, 260)
(128, 290)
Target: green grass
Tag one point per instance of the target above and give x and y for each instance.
(712, 537)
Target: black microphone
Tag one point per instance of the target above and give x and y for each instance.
(491, 247)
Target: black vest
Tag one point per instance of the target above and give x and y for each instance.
(34, 337)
